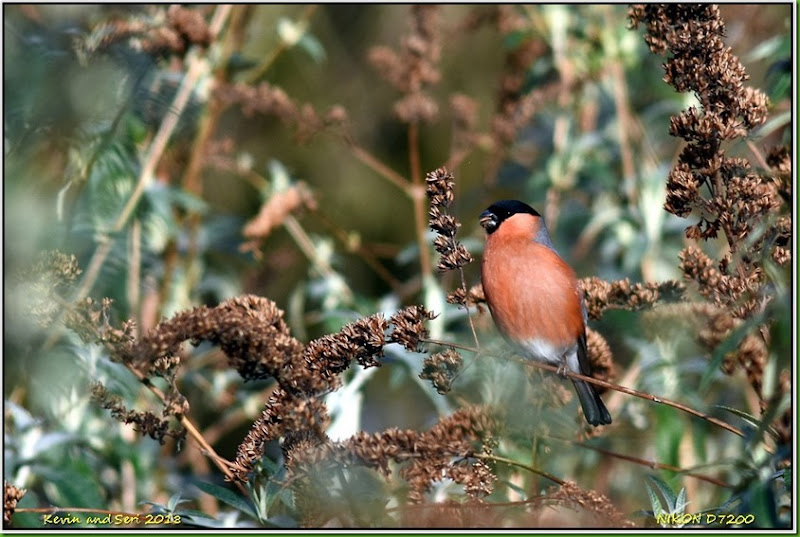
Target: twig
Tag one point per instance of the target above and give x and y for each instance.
(623, 129)
(221, 463)
(306, 245)
(363, 252)
(133, 285)
(418, 198)
(650, 464)
(674, 404)
(757, 154)
(282, 47)
(376, 165)
(206, 127)
(511, 462)
(469, 313)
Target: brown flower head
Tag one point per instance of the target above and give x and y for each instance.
(11, 495)
(439, 188)
(441, 369)
(409, 327)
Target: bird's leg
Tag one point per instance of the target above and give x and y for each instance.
(563, 365)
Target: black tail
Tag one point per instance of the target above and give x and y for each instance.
(594, 410)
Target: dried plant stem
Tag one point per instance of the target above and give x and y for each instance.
(364, 253)
(762, 162)
(306, 245)
(419, 198)
(414, 190)
(469, 313)
(610, 386)
(624, 122)
(365, 157)
(654, 465)
(192, 176)
(510, 462)
(454, 345)
(206, 127)
(221, 463)
(193, 74)
(636, 393)
(133, 284)
(421, 225)
(282, 47)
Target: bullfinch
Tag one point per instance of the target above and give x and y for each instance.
(534, 298)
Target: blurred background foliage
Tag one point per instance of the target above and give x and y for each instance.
(82, 109)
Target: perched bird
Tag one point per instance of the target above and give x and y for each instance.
(534, 298)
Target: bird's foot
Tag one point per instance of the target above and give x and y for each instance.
(562, 370)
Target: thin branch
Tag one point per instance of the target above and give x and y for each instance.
(306, 245)
(650, 464)
(283, 46)
(469, 312)
(221, 463)
(376, 165)
(359, 249)
(418, 197)
(554, 369)
(757, 154)
(510, 462)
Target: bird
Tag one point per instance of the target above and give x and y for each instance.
(534, 298)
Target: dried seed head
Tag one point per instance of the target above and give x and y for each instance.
(441, 369)
(439, 188)
(11, 495)
(409, 327)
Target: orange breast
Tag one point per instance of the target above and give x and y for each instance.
(532, 293)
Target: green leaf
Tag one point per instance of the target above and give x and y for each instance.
(194, 513)
(311, 46)
(758, 423)
(655, 502)
(174, 501)
(229, 497)
(666, 492)
(680, 502)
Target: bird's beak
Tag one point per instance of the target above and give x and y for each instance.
(486, 217)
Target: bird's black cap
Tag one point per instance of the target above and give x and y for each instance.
(499, 211)
(505, 208)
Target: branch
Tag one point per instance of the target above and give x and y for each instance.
(577, 376)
